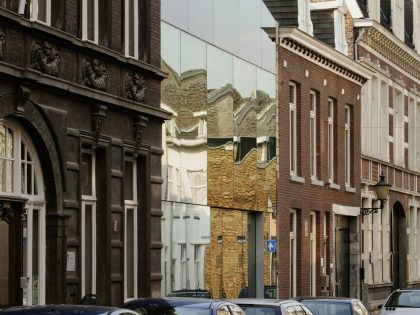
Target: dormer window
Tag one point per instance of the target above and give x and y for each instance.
(340, 31)
(304, 17)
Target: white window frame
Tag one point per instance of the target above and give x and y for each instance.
(34, 11)
(340, 32)
(293, 126)
(416, 25)
(131, 205)
(374, 9)
(313, 249)
(34, 202)
(95, 21)
(89, 200)
(293, 254)
(304, 17)
(135, 29)
(399, 100)
(347, 145)
(313, 134)
(331, 144)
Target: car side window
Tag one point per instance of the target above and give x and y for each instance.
(223, 310)
(307, 310)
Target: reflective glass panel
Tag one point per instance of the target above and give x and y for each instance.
(90, 16)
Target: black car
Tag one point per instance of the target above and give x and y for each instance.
(182, 306)
(333, 305)
(65, 310)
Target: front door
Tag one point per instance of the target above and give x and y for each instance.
(11, 210)
(399, 249)
(342, 256)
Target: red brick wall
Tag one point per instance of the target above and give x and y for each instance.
(307, 197)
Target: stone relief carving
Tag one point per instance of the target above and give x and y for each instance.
(98, 115)
(45, 58)
(135, 87)
(140, 123)
(2, 43)
(94, 73)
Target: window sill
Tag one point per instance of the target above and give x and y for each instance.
(350, 189)
(334, 186)
(296, 178)
(317, 182)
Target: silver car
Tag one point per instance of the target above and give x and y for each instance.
(402, 302)
(271, 307)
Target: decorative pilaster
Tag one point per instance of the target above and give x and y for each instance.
(140, 123)
(98, 115)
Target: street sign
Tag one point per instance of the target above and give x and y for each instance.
(271, 246)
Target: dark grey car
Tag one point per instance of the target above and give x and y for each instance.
(271, 307)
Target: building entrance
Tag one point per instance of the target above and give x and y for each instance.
(342, 256)
(399, 248)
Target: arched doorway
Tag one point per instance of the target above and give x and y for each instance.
(22, 217)
(398, 245)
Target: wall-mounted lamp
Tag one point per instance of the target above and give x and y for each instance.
(271, 208)
(382, 194)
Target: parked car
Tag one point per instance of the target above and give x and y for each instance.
(182, 306)
(270, 292)
(271, 307)
(402, 302)
(65, 310)
(333, 305)
(192, 293)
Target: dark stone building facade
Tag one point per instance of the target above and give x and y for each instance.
(80, 150)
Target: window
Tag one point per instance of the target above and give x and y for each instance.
(88, 223)
(313, 136)
(340, 31)
(347, 145)
(90, 20)
(21, 175)
(40, 10)
(131, 28)
(293, 259)
(197, 266)
(293, 127)
(304, 17)
(399, 128)
(331, 139)
(130, 229)
(416, 26)
(184, 275)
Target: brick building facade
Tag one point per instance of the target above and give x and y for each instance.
(81, 151)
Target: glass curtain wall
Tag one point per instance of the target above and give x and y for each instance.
(218, 164)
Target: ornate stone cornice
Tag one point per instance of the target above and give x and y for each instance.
(375, 65)
(390, 47)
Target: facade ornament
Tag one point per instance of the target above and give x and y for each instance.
(94, 73)
(135, 87)
(140, 123)
(6, 213)
(2, 43)
(45, 58)
(98, 115)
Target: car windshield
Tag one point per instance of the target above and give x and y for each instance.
(404, 299)
(328, 307)
(172, 311)
(258, 310)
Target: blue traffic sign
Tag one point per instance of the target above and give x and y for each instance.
(271, 246)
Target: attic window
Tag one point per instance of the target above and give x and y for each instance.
(304, 17)
(340, 31)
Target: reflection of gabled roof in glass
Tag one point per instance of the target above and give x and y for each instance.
(215, 94)
(243, 110)
(264, 119)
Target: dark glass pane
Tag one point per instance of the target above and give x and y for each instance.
(87, 174)
(22, 178)
(128, 181)
(88, 249)
(42, 10)
(4, 266)
(9, 144)
(131, 27)
(35, 258)
(130, 253)
(90, 14)
(29, 179)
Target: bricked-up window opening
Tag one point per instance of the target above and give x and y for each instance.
(347, 145)
(331, 139)
(40, 10)
(130, 229)
(313, 249)
(90, 20)
(293, 127)
(313, 135)
(293, 258)
(88, 223)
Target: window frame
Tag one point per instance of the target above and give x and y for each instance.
(331, 139)
(347, 145)
(95, 21)
(135, 29)
(293, 129)
(313, 134)
(313, 253)
(340, 31)
(33, 9)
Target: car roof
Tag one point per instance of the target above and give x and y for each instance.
(172, 302)
(61, 309)
(324, 298)
(257, 301)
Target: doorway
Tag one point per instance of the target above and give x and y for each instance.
(342, 255)
(399, 248)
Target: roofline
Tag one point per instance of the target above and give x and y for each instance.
(319, 47)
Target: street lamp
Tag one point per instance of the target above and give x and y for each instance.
(382, 193)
